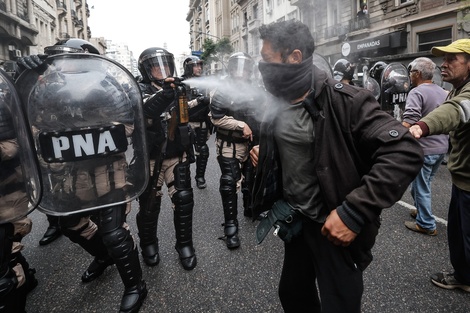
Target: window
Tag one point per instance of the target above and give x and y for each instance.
(403, 2)
(255, 12)
(429, 39)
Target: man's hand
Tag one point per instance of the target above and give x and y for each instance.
(247, 133)
(336, 231)
(254, 153)
(416, 131)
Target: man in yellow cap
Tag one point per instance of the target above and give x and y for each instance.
(453, 117)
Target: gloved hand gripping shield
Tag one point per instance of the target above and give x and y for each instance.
(20, 185)
(85, 114)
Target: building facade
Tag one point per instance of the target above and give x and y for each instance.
(389, 30)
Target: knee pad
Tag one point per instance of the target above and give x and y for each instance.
(228, 185)
(182, 176)
(204, 151)
(112, 218)
(183, 197)
(230, 166)
(117, 242)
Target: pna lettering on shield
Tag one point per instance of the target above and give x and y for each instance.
(82, 144)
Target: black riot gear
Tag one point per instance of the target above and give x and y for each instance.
(87, 122)
(240, 65)
(170, 139)
(71, 45)
(376, 70)
(189, 63)
(156, 64)
(343, 69)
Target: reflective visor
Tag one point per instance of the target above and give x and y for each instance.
(159, 66)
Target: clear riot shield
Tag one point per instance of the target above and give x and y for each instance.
(85, 114)
(369, 83)
(320, 62)
(395, 85)
(20, 184)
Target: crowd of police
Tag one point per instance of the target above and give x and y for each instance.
(80, 138)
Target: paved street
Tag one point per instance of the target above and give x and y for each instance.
(244, 280)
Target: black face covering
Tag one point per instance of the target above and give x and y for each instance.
(287, 81)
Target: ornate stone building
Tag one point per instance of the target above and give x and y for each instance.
(390, 30)
(28, 26)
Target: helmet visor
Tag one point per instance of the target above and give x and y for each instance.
(240, 68)
(159, 67)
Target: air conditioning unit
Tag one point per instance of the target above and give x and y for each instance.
(18, 53)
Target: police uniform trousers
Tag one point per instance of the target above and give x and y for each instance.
(310, 259)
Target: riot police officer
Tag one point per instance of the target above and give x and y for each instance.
(234, 116)
(170, 145)
(343, 71)
(198, 102)
(19, 194)
(74, 185)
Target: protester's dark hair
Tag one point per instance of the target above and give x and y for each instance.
(286, 36)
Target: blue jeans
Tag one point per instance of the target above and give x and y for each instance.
(421, 190)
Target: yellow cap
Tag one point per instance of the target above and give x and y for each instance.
(458, 46)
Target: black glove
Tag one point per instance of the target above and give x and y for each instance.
(168, 91)
(31, 62)
(203, 100)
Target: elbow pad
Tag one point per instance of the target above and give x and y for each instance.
(157, 104)
(218, 106)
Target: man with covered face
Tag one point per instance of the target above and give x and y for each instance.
(331, 157)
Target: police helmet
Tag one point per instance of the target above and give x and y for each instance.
(376, 70)
(343, 69)
(189, 63)
(71, 45)
(240, 65)
(156, 64)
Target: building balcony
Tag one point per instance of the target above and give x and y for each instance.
(336, 31)
(79, 24)
(253, 25)
(61, 8)
(359, 23)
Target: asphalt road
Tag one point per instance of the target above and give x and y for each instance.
(245, 279)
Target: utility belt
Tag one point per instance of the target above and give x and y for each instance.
(228, 136)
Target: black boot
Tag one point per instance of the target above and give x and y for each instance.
(200, 182)
(183, 221)
(135, 289)
(94, 246)
(147, 222)
(53, 231)
(121, 248)
(96, 268)
(231, 173)
(231, 234)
